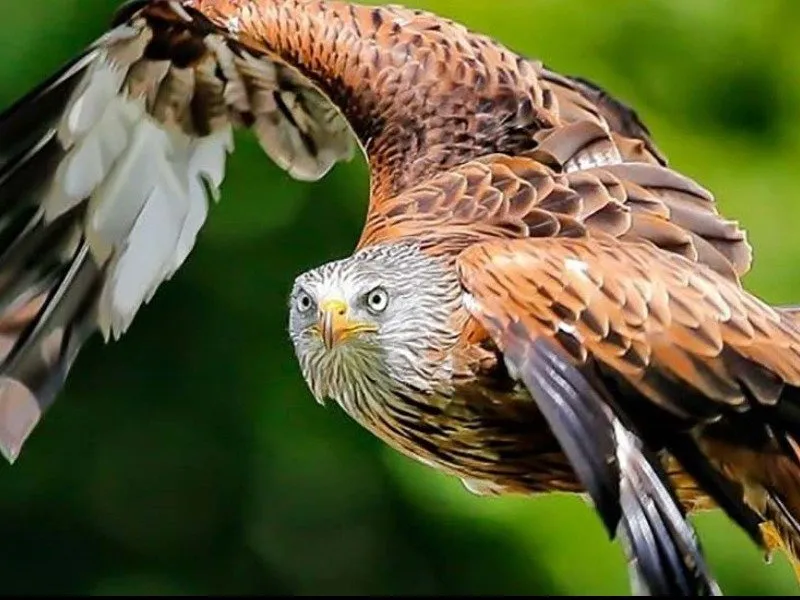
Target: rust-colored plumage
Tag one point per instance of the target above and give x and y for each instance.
(584, 258)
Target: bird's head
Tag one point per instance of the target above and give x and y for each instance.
(381, 318)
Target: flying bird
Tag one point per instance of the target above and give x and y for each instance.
(537, 301)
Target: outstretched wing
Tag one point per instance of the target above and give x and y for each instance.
(105, 174)
(601, 329)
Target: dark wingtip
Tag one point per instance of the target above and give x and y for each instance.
(19, 414)
(666, 552)
(624, 479)
(579, 420)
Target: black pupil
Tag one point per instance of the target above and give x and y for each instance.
(377, 299)
(305, 301)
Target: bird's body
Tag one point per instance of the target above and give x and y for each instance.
(537, 301)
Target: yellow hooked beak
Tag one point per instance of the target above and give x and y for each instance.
(335, 325)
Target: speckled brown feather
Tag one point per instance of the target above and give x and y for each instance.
(542, 193)
(708, 359)
(645, 314)
(425, 95)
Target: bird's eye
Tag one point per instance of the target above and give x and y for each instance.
(304, 302)
(377, 300)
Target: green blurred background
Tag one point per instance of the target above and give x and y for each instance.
(189, 458)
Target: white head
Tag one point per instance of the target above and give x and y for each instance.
(377, 321)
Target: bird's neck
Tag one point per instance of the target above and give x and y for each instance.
(366, 401)
(393, 411)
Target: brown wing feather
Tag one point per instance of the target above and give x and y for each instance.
(652, 317)
(631, 135)
(424, 95)
(685, 349)
(537, 196)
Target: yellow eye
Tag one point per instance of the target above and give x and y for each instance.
(377, 300)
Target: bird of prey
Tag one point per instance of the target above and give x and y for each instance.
(537, 301)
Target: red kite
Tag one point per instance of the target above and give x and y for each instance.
(537, 301)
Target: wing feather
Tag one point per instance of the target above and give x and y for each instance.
(703, 368)
(626, 483)
(631, 134)
(535, 196)
(648, 315)
(113, 160)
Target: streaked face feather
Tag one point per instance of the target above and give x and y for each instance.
(404, 345)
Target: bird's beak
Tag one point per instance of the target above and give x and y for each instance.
(335, 325)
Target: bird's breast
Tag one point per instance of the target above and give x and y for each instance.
(494, 438)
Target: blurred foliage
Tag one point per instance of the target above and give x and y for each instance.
(189, 458)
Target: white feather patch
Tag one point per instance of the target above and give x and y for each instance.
(469, 302)
(138, 269)
(96, 128)
(116, 205)
(90, 161)
(206, 164)
(155, 240)
(593, 159)
(118, 34)
(482, 488)
(87, 108)
(146, 187)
